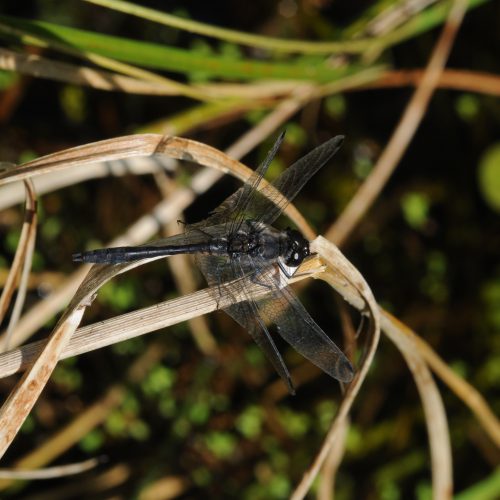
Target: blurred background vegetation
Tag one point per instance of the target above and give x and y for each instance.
(194, 425)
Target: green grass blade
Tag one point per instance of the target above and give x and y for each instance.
(423, 21)
(161, 57)
(233, 36)
(487, 489)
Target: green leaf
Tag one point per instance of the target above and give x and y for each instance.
(161, 57)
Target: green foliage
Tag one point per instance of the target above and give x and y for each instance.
(416, 208)
(467, 106)
(73, 103)
(12, 239)
(29, 425)
(489, 176)
(433, 283)
(490, 295)
(202, 477)
(390, 475)
(7, 79)
(270, 485)
(93, 441)
(335, 106)
(250, 421)
(129, 347)
(51, 228)
(67, 375)
(159, 380)
(221, 444)
(487, 489)
(297, 424)
(325, 411)
(295, 134)
(119, 296)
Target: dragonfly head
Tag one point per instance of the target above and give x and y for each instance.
(296, 248)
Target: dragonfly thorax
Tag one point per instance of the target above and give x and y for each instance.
(254, 240)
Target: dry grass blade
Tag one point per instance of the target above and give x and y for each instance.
(348, 282)
(42, 67)
(139, 322)
(456, 79)
(12, 193)
(412, 116)
(38, 315)
(21, 266)
(20, 402)
(50, 472)
(435, 415)
(105, 62)
(165, 488)
(91, 417)
(395, 15)
(465, 391)
(118, 148)
(131, 146)
(332, 463)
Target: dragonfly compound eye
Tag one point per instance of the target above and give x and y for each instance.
(297, 248)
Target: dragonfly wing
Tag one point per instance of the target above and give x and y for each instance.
(294, 324)
(220, 270)
(246, 314)
(234, 210)
(273, 199)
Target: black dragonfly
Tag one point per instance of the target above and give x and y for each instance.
(237, 244)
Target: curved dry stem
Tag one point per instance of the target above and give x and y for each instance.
(43, 67)
(350, 284)
(454, 79)
(20, 402)
(50, 472)
(463, 390)
(138, 145)
(21, 265)
(332, 463)
(435, 415)
(13, 193)
(91, 417)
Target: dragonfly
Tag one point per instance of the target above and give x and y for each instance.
(238, 244)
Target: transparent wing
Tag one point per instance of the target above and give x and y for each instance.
(218, 270)
(246, 314)
(294, 324)
(268, 204)
(233, 210)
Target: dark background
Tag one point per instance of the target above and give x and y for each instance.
(440, 275)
